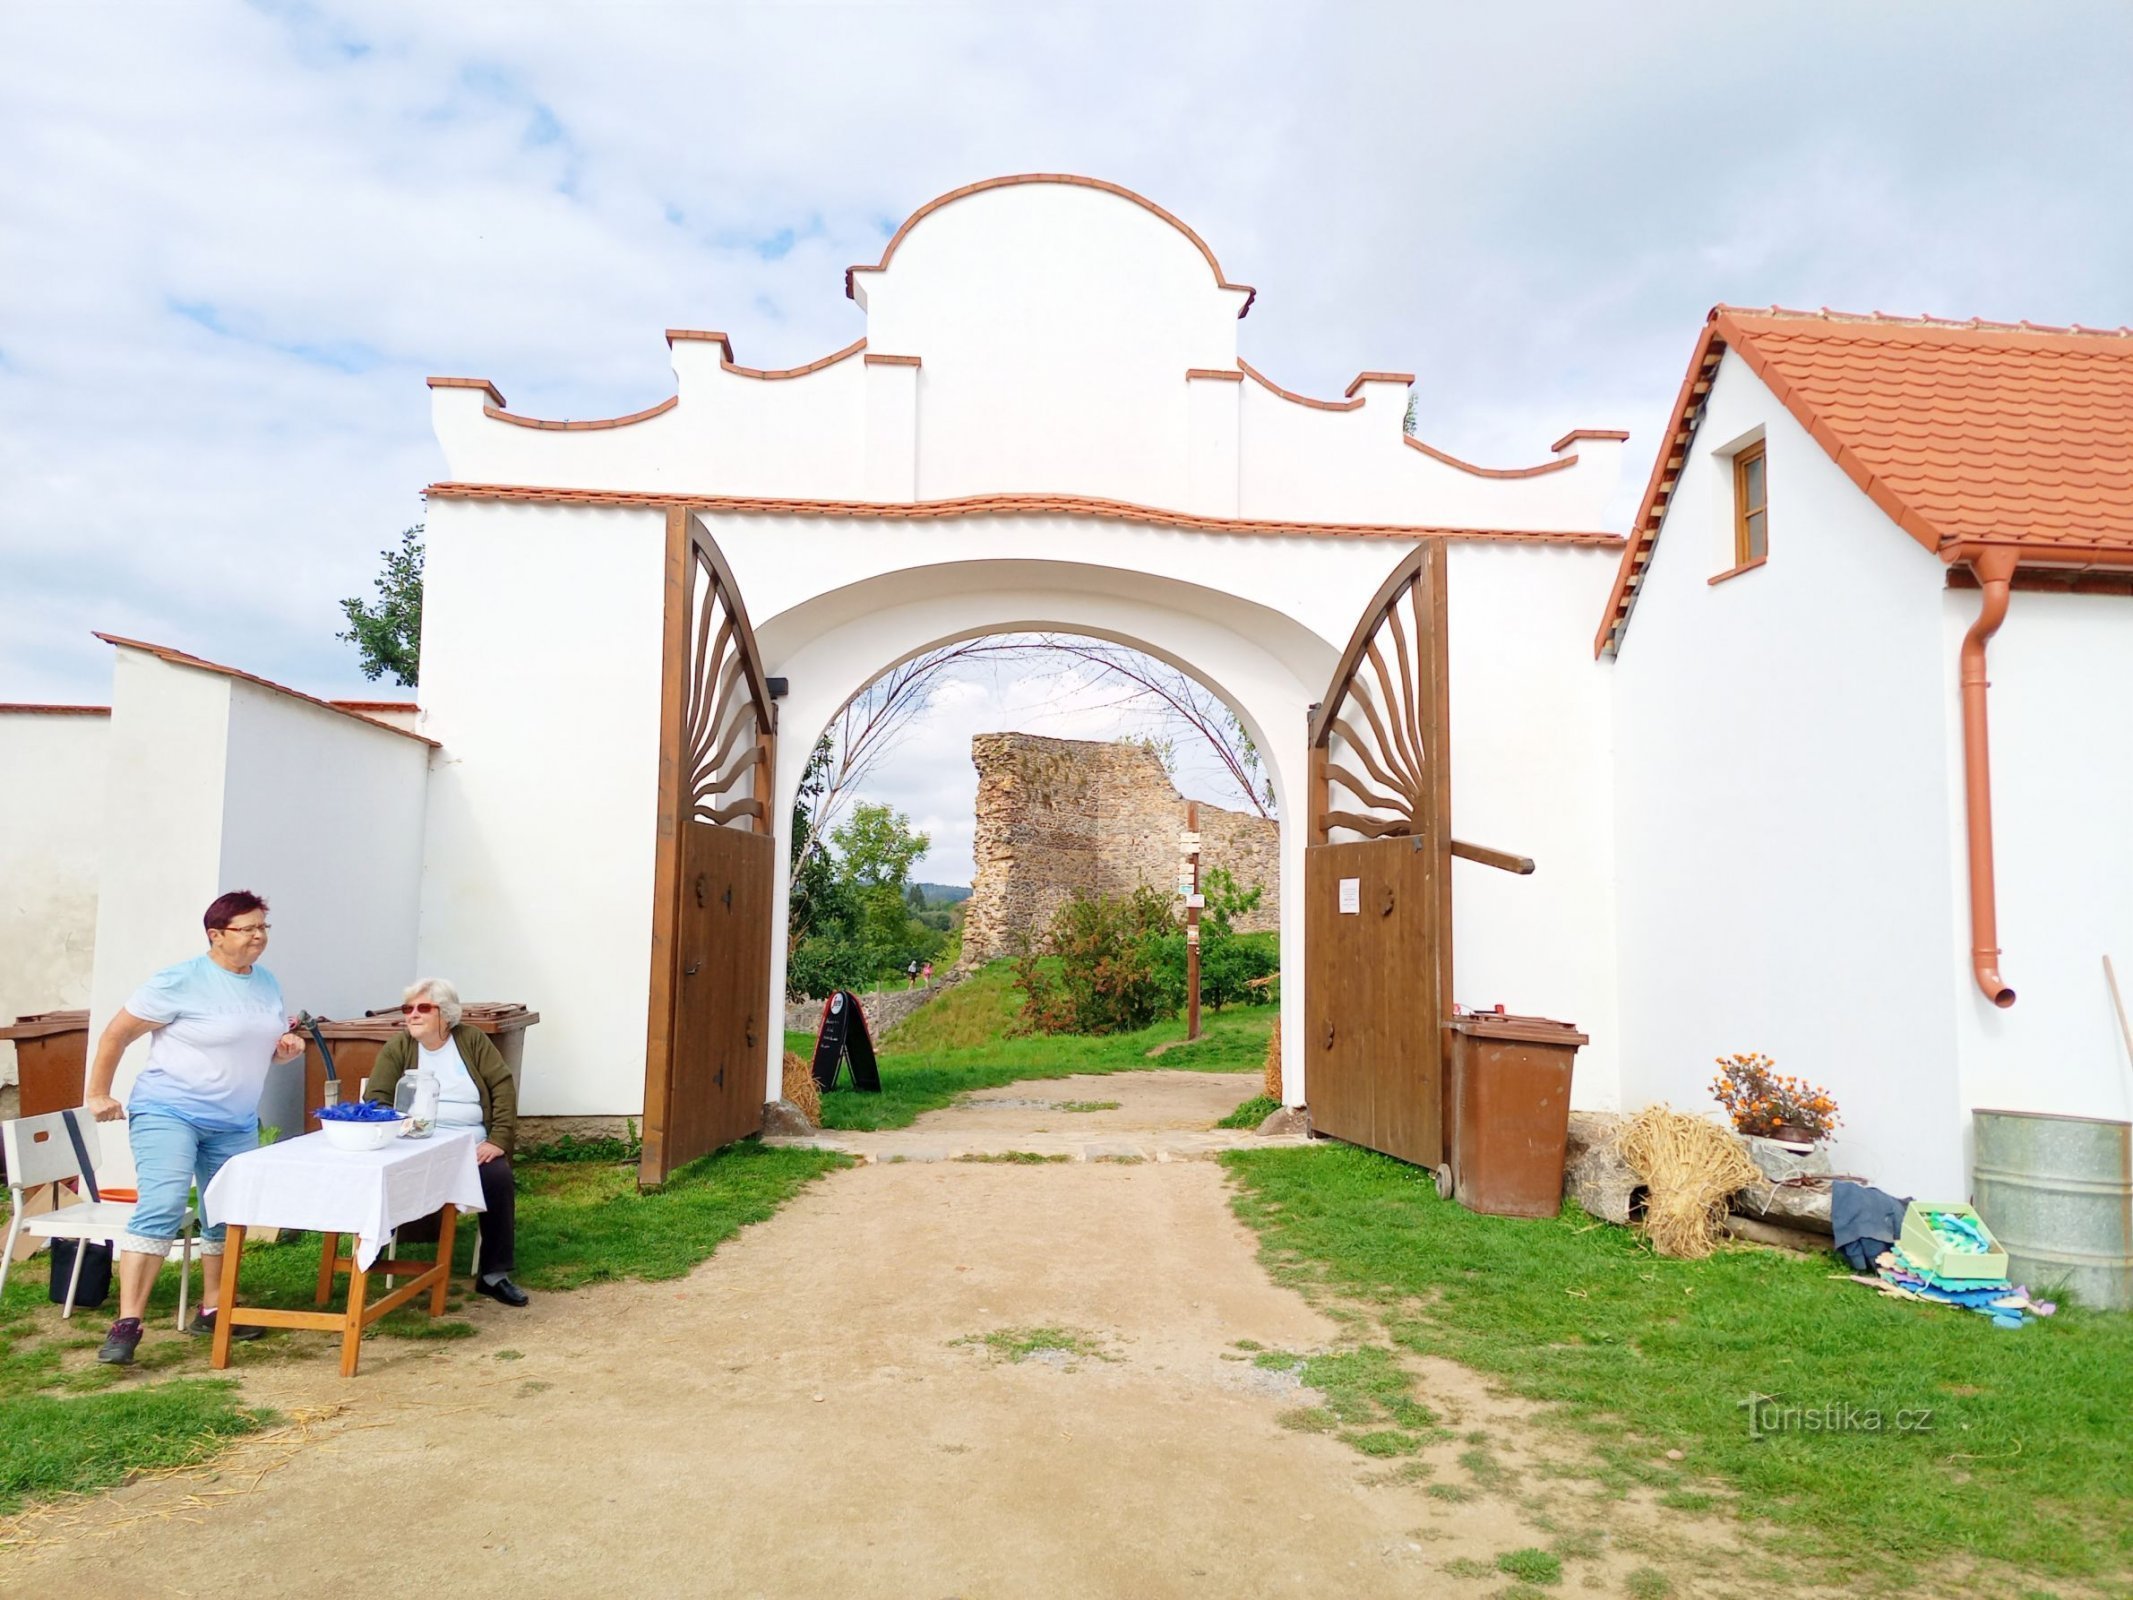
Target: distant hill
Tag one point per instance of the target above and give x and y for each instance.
(944, 894)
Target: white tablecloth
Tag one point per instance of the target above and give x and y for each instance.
(307, 1183)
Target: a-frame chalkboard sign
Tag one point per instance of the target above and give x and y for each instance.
(844, 1038)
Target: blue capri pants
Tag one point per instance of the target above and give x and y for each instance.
(170, 1157)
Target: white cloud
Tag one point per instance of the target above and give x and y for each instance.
(234, 239)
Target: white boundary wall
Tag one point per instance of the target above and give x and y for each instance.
(51, 835)
(218, 783)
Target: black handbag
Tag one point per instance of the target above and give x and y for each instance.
(95, 1286)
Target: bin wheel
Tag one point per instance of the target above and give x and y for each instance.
(1444, 1181)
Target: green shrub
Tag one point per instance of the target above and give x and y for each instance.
(1107, 977)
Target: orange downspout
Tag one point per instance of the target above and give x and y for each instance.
(1994, 569)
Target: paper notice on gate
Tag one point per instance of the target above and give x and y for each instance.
(1351, 897)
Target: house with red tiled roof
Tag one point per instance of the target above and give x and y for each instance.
(1872, 650)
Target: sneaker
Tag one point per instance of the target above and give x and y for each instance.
(119, 1343)
(203, 1326)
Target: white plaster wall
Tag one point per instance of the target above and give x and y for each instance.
(1055, 324)
(1781, 811)
(540, 678)
(322, 815)
(1532, 748)
(51, 840)
(161, 852)
(2062, 788)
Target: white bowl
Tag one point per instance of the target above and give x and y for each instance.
(363, 1135)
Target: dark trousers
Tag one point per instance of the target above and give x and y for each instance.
(499, 1225)
(499, 1218)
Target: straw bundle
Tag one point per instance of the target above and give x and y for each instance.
(1273, 1062)
(800, 1088)
(1691, 1166)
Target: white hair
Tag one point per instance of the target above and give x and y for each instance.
(439, 991)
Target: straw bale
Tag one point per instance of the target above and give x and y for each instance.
(1692, 1167)
(800, 1088)
(1273, 1062)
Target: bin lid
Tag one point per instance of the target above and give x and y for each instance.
(1525, 1030)
(491, 1016)
(42, 1024)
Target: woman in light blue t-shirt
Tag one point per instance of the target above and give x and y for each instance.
(214, 1025)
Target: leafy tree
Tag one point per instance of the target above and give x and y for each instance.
(876, 847)
(388, 633)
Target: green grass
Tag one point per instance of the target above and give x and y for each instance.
(68, 1424)
(1648, 1583)
(1368, 1400)
(1251, 1113)
(1530, 1566)
(2027, 1460)
(963, 1046)
(1085, 1105)
(1019, 1344)
(1013, 1158)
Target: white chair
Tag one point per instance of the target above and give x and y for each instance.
(39, 1151)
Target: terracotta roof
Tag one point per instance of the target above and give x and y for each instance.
(1618, 435)
(31, 709)
(1067, 178)
(178, 658)
(829, 360)
(373, 705)
(1362, 378)
(595, 425)
(1965, 434)
(1007, 505)
(495, 395)
(709, 335)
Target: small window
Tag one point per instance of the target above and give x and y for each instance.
(1751, 513)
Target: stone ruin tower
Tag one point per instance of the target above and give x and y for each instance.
(1059, 815)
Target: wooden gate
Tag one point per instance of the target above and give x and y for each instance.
(1378, 907)
(709, 1028)
(1378, 904)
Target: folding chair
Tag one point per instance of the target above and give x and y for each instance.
(39, 1150)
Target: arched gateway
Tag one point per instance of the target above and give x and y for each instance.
(1047, 426)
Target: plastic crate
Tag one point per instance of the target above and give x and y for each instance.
(1925, 1250)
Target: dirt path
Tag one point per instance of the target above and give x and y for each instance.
(802, 1416)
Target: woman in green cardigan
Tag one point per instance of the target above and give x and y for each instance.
(475, 1091)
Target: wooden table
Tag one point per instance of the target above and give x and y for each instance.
(359, 1197)
(362, 1311)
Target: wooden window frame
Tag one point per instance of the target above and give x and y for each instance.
(1743, 556)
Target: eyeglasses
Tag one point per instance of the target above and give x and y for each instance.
(257, 927)
(417, 1008)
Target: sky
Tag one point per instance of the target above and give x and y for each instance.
(234, 239)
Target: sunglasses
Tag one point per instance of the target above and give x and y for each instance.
(417, 1008)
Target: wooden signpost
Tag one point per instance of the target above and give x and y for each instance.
(1190, 839)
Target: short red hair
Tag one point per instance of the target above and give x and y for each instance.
(227, 908)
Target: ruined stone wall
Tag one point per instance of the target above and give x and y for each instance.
(1059, 815)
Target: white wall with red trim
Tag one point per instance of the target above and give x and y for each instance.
(1782, 819)
(1054, 326)
(51, 839)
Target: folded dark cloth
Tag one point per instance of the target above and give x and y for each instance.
(1864, 1222)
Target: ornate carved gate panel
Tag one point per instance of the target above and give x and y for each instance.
(1378, 912)
(710, 1026)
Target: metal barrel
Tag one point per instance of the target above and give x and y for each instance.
(2057, 1191)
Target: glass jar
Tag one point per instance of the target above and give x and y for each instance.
(415, 1098)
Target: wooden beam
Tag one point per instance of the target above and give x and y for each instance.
(1502, 860)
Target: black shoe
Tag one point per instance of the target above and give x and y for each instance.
(503, 1290)
(118, 1346)
(203, 1326)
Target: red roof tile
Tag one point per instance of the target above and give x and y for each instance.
(1010, 505)
(178, 658)
(1964, 433)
